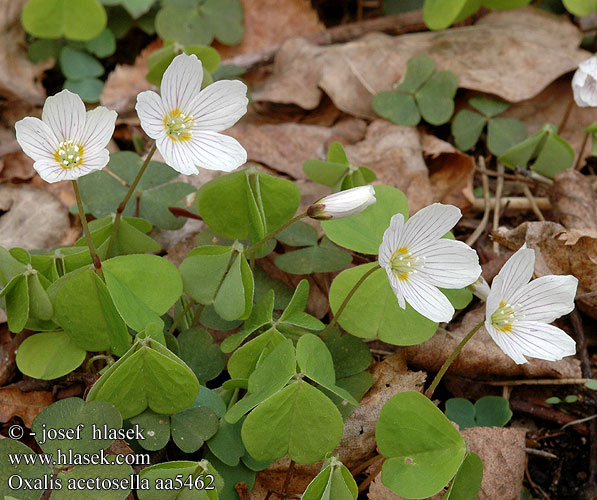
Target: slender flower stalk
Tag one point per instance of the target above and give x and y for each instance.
(126, 199)
(253, 248)
(97, 264)
(347, 300)
(442, 371)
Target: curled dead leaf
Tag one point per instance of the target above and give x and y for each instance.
(574, 205)
(26, 405)
(451, 172)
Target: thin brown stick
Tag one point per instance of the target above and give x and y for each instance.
(486, 209)
(496, 210)
(531, 198)
(540, 453)
(577, 165)
(534, 485)
(539, 381)
(361, 467)
(513, 203)
(363, 486)
(566, 116)
(287, 480)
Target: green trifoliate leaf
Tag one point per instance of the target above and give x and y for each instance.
(467, 128)
(467, 482)
(423, 450)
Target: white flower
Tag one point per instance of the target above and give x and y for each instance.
(343, 204)
(584, 83)
(480, 288)
(418, 260)
(67, 142)
(185, 120)
(518, 312)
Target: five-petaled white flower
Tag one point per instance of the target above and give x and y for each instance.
(518, 311)
(185, 120)
(67, 142)
(418, 260)
(343, 204)
(584, 83)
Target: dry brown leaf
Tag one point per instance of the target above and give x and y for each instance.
(8, 351)
(31, 218)
(19, 78)
(502, 452)
(550, 106)
(574, 205)
(285, 147)
(26, 405)
(553, 256)
(17, 166)
(451, 172)
(512, 54)
(125, 82)
(285, 19)
(481, 358)
(395, 154)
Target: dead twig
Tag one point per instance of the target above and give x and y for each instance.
(496, 209)
(540, 453)
(513, 203)
(534, 485)
(486, 209)
(540, 381)
(534, 206)
(549, 414)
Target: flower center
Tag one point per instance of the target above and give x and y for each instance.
(504, 318)
(69, 155)
(178, 125)
(403, 263)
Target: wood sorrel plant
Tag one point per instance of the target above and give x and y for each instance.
(291, 379)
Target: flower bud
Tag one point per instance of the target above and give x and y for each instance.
(342, 204)
(584, 83)
(480, 288)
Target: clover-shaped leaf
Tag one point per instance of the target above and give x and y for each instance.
(488, 411)
(423, 450)
(334, 481)
(420, 93)
(73, 19)
(502, 133)
(148, 375)
(545, 152)
(201, 354)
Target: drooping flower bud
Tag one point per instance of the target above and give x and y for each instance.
(342, 204)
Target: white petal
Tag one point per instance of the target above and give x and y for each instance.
(343, 204)
(506, 343)
(92, 162)
(395, 284)
(450, 264)
(546, 298)
(181, 82)
(36, 139)
(539, 340)
(426, 299)
(428, 224)
(65, 115)
(150, 109)
(176, 155)
(391, 239)
(480, 288)
(99, 127)
(515, 273)
(215, 151)
(50, 171)
(219, 106)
